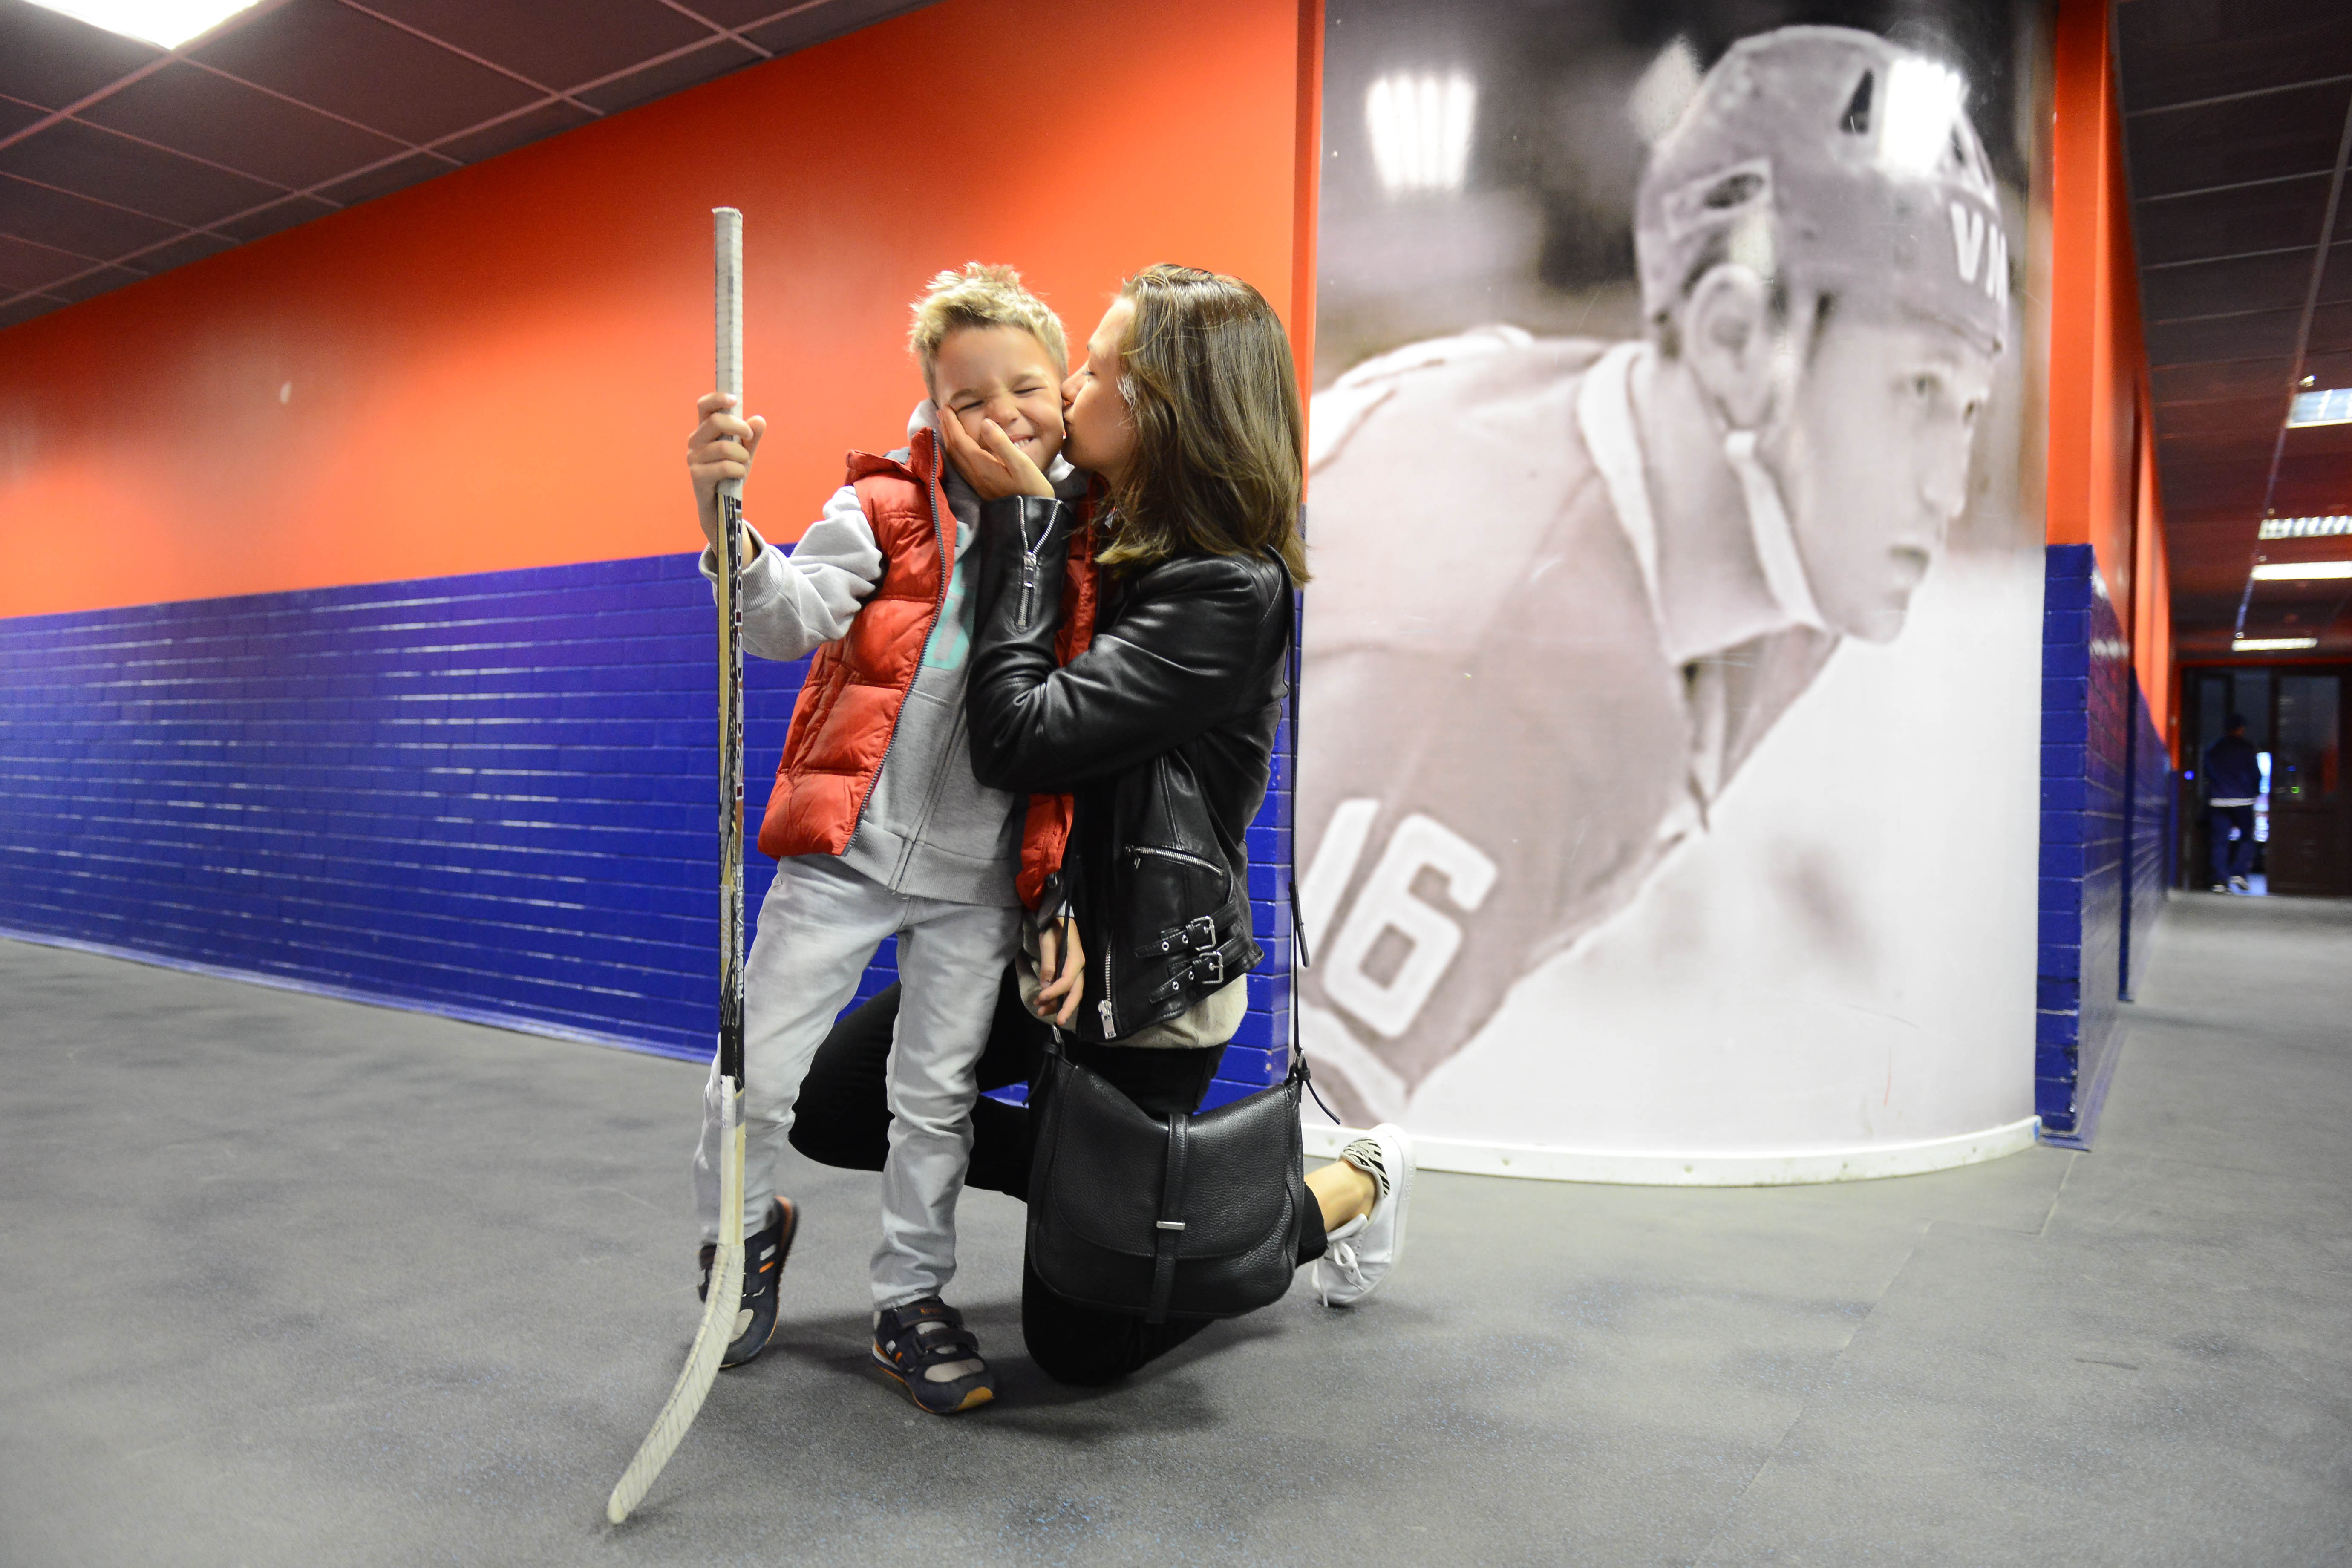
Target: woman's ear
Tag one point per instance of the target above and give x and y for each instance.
(1729, 341)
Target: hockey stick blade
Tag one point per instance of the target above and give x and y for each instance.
(710, 1342)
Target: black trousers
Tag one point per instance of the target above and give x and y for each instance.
(843, 1120)
(2230, 829)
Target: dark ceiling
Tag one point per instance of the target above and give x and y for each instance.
(2238, 116)
(119, 160)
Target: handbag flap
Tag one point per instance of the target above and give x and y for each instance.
(1110, 1162)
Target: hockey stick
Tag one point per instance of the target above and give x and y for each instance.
(725, 1296)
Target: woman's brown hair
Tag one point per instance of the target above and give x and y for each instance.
(1209, 385)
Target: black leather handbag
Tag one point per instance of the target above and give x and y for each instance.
(1192, 1216)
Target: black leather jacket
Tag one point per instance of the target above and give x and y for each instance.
(1163, 729)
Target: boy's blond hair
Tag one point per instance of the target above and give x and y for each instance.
(981, 296)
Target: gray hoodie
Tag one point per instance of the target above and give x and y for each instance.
(929, 828)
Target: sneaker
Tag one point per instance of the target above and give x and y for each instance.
(1359, 1254)
(935, 1358)
(763, 1265)
(2240, 885)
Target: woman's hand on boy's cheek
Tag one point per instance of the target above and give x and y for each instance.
(992, 466)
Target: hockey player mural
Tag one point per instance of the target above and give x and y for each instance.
(1566, 588)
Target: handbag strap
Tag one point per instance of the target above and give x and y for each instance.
(1170, 1229)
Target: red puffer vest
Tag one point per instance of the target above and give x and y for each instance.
(849, 705)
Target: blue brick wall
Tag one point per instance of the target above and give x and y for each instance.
(2087, 698)
(2152, 835)
(488, 795)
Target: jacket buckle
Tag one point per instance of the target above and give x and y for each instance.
(1201, 933)
(1213, 962)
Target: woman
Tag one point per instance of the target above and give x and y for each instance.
(1164, 730)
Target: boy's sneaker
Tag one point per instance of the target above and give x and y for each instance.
(935, 1358)
(2240, 885)
(763, 1265)
(1359, 1254)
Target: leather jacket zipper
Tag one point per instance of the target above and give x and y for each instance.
(1029, 570)
(946, 572)
(1139, 852)
(1110, 989)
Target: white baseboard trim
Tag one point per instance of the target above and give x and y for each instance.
(1537, 1163)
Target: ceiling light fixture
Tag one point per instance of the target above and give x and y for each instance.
(2328, 406)
(167, 24)
(2272, 644)
(2306, 527)
(2301, 571)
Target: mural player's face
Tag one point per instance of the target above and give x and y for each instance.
(1874, 463)
(1102, 435)
(1005, 375)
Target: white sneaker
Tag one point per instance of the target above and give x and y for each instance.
(1359, 1254)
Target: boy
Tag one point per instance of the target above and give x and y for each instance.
(877, 824)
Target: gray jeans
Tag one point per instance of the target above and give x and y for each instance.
(818, 930)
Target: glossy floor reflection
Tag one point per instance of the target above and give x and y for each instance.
(287, 1280)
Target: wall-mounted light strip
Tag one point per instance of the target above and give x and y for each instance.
(2272, 644)
(2306, 527)
(2301, 571)
(2329, 406)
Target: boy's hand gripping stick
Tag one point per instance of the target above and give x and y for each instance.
(724, 1300)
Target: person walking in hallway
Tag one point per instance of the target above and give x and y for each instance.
(2233, 776)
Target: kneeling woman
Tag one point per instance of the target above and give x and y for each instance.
(1164, 730)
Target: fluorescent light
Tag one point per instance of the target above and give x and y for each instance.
(2301, 571)
(2306, 527)
(165, 22)
(2272, 644)
(1421, 127)
(2330, 405)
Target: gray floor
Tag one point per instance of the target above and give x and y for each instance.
(285, 1281)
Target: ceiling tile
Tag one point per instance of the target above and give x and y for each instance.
(15, 114)
(2247, 449)
(530, 125)
(2201, 383)
(78, 157)
(101, 280)
(2233, 223)
(2293, 133)
(2222, 415)
(53, 60)
(2175, 50)
(742, 13)
(332, 57)
(178, 252)
(2331, 329)
(2336, 284)
(194, 110)
(2214, 485)
(2261, 334)
(271, 219)
(2211, 288)
(715, 59)
(67, 222)
(26, 266)
(398, 175)
(800, 29)
(585, 41)
(25, 309)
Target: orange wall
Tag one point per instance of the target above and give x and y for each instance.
(2102, 472)
(497, 369)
